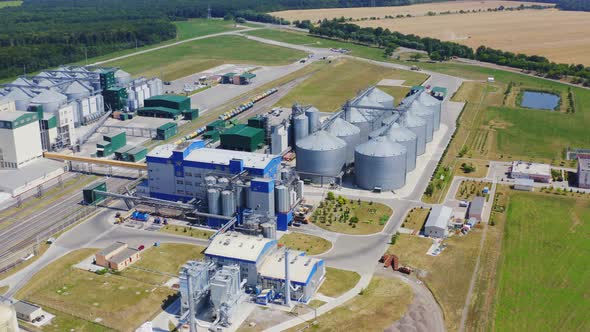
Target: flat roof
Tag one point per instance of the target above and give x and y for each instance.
(13, 115)
(123, 255)
(162, 151)
(25, 308)
(531, 168)
(12, 179)
(584, 161)
(476, 205)
(524, 182)
(172, 98)
(439, 217)
(223, 157)
(242, 130)
(238, 246)
(301, 267)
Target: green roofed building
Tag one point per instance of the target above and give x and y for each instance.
(227, 78)
(168, 106)
(416, 88)
(159, 112)
(176, 102)
(439, 92)
(242, 138)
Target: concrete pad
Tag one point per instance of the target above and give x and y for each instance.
(46, 320)
(88, 265)
(390, 82)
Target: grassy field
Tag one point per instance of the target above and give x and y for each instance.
(64, 322)
(471, 188)
(481, 168)
(3, 289)
(338, 282)
(187, 231)
(351, 217)
(543, 279)
(448, 274)
(312, 245)
(416, 218)
(10, 4)
(383, 302)
(328, 94)
(189, 58)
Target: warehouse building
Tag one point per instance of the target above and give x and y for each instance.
(27, 312)
(117, 256)
(476, 207)
(533, 171)
(168, 106)
(524, 184)
(111, 143)
(242, 138)
(584, 171)
(20, 141)
(438, 221)
(166, 131)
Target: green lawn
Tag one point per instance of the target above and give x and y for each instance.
(338, 282)
(312, 245)
(189, 58)
(340, 80)
(398, 92)
(544, 280)
(351, 217)
(187, 231)
(10, 3)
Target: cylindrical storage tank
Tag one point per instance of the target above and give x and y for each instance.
(247, 194)
(378, 132)
(313, 116)
(223, 182)
(76, 91)
(20, 98)
(390, 119)
(269, 230)
(358, 119)
(382, 98)
(8, 320)
(408, 139)
(320, 153)
(347, 132)
(239, 194)
(428, 116)
(50, 100)
(282, 199)
(300, 127)
(299, 189)
(213, 201)
(228, 203)
(434, 104)
(210, 180)
(380, 163)
(419, 127)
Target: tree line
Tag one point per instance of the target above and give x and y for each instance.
(440, 50)
(576, 5)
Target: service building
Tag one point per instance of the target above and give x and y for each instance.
(117, 256)
(438, 221)
(27, 311)
(19, 139)
(476, 207)
(533, 171)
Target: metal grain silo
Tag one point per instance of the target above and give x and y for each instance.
(382, 98)
(320, 153)
(282, 199)
(50, 100)
(240, 193)
(408, 139)
(269, 230)
(357, 118)
(223, 182)
(432, 103)
(210, 180)
(299, 189)
(428, 115)
(21, 98)
(313, 116)
(300, 127)
(213, 201)
(380, 163)
(419, 127)
(347, 132)
(228, 203)
(76, 91)
(390, 119)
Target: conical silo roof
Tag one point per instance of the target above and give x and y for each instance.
(382, 98)
(49, 96)
(381, 147)
(420, 109)
(75, 88)
(341, 127)
(412, 120)
(390, 119)
(21, 81)
(18, 94)
(353, 115)
(321, 141)
(399, 134)
(428, 100)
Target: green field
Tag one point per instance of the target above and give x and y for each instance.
(544, 280)
(312, 245)
(338, 282)
(340, 80)
(189, 58)
(10, 3)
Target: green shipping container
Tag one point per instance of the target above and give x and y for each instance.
(166, 131)
(213, 135)
(242, 138)
(190, 114)
(90, 196)
(122, 153)
(179, 103)
(117, 140)
(137, 154)
(215, 125)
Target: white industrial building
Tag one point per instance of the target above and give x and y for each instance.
(438, 221)
(534, 171)
(18, 143)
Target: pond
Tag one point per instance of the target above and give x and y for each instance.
(540, 100)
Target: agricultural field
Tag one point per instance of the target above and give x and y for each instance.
(312, 245)
(338, 282)
(469, 189)
(525, 31)
(328, 94)
(379, 12)
(351, 217)
(185, 59)
(543, 280)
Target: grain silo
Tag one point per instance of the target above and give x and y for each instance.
(432, 103)
(282, 199)
(240, 193)
(50, 100)
(427, 114)
(419, 127)
(408, 139)
(349, 133)
(357, 118)
(76, 91)
(313, 117)
(213, 201)
(390, 119)
(300, 127)
(228, 203)
(8, 320)
(382, 98)
(210, 180)
(380, 163)
(320, 154)
(20, 97)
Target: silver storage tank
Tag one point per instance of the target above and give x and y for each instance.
(428, 116)
(320, 153)
(434, 104)
(299, 189)
(408, 139)
(357, 118)
(213, 201)
(349, 133)
(419, 127)
(50, 100)
(21, 99)
(210, 180)
(240, 194)
(300, 127)
(390, 119)
(282, 199)
(223, 182)
(269, 230)
(382, 98)
(313, 116)
(76, 91)
(228, 203)
(380, 163)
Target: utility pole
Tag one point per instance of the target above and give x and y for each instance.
(208, 12)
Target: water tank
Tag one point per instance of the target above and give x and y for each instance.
(282, 200)
(358, 119)
(8, 321)
(300, 127)
(213, 201)
(50, 100)
(428, 116)
(122, 77)
(347, 132)
(380, 163)
(269, 230)
(210, 180)
(432, 103)
(313, 116)
(228, 203)
(408, 139)
(320, 153)
(76, 91)
(418, 126)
